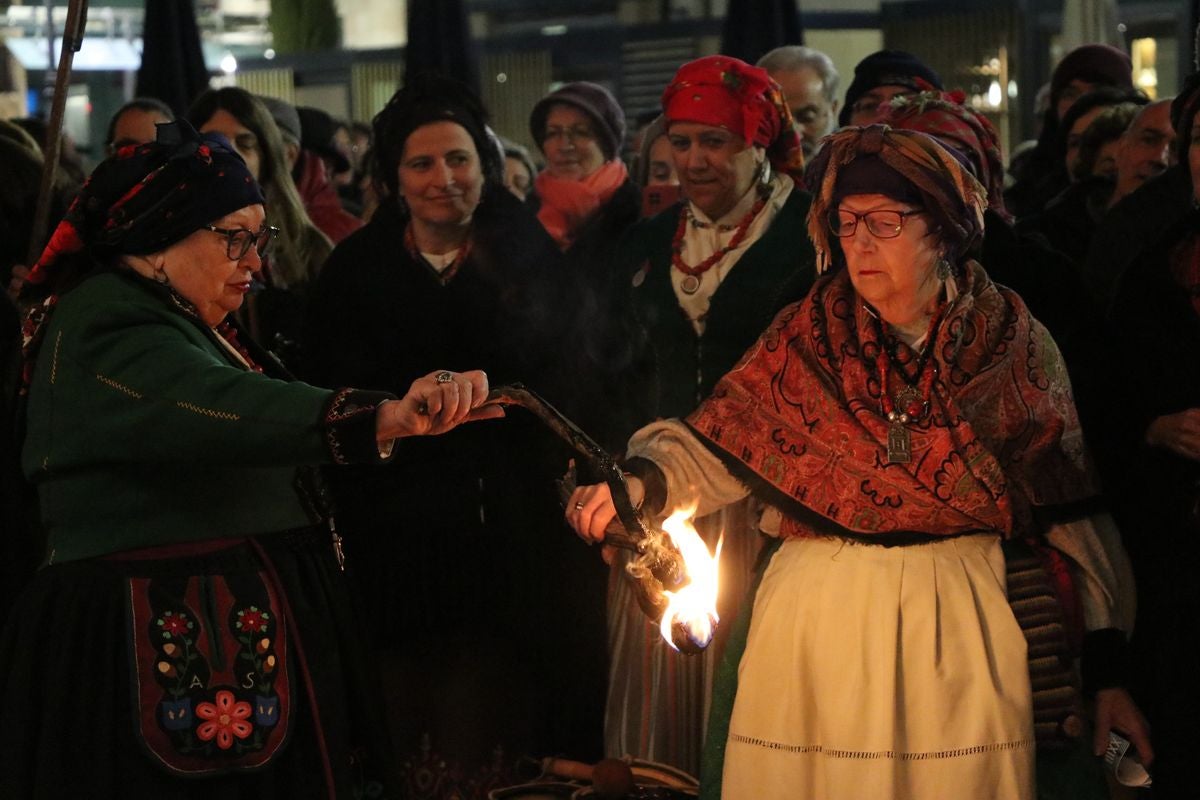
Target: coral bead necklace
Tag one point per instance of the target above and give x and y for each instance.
(691, 281)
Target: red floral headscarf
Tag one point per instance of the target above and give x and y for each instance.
(728, 93)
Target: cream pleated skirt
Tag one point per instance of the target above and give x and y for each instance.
(882, 673)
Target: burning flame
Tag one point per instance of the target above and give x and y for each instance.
(693, 607)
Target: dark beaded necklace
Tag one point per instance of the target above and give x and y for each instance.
(911, 403)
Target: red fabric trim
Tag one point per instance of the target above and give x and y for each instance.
(181, 550)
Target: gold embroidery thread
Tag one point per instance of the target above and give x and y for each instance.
(119, 387)
(881, 754)
(54, 360)
(208, 412)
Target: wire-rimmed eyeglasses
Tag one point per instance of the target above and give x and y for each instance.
(238, 241)
(882, 224)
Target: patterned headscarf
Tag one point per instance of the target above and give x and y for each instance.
(952, 196)
(943, 116)
(144, 199)
(727, 93)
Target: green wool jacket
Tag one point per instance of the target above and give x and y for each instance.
(143, 430)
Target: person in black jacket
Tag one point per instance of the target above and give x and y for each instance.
(488, 633)
(1155, 378)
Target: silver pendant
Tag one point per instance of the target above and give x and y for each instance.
(690, 284)
(899, 445)
(910, 398)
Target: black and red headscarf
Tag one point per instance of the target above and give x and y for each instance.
(143, 199)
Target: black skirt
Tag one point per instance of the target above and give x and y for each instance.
(70, 682)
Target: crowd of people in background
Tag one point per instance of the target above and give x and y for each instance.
(621, 269)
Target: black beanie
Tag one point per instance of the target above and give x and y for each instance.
(887, 68)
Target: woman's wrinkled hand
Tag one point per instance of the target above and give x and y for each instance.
(591, 510)
(436, 403)
(1179, 433)
(1116, 710)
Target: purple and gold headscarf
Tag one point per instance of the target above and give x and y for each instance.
(917, 163)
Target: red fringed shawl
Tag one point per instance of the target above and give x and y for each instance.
(802, 412)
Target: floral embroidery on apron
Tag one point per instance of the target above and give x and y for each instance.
(210, 668)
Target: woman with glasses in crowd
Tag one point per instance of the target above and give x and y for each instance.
(586, 200)
(905, 418)
(190, 633)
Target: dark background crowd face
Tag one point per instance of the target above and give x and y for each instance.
(811, 109)
(242, 138)
(1145, 150)
(570, 144)
(866, 108)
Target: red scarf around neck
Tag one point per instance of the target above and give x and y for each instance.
(802, 411)
(566, 204)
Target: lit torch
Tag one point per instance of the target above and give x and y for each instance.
(691, 613)
(674, 575)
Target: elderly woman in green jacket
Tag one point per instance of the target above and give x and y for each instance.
(191, 633)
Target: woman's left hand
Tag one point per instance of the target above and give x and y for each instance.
(1115, 710)
(434, 404)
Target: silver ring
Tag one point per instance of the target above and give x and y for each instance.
(579, 506)
(444, 377)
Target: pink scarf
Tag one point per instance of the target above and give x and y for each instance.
(566, 204)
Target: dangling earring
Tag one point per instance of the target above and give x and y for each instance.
(764, 178)
(943, 268)
(160, 277)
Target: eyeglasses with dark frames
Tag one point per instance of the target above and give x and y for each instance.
(882, 224)
(238, 241)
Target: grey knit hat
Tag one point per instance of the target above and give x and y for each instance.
(594, 100)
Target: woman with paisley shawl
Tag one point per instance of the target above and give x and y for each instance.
(907, 417)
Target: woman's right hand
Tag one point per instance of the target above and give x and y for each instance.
(434, 404)
(590, 509)
(1179, 433)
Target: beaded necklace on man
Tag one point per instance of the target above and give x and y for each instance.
(691, 283)
(911, 403)
(444, 275)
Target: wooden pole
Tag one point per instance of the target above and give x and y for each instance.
(72, 41)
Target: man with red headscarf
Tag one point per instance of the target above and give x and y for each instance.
(704, 278)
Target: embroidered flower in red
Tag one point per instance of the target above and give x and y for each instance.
(225, 719)
(251, 620)
(174, 624)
